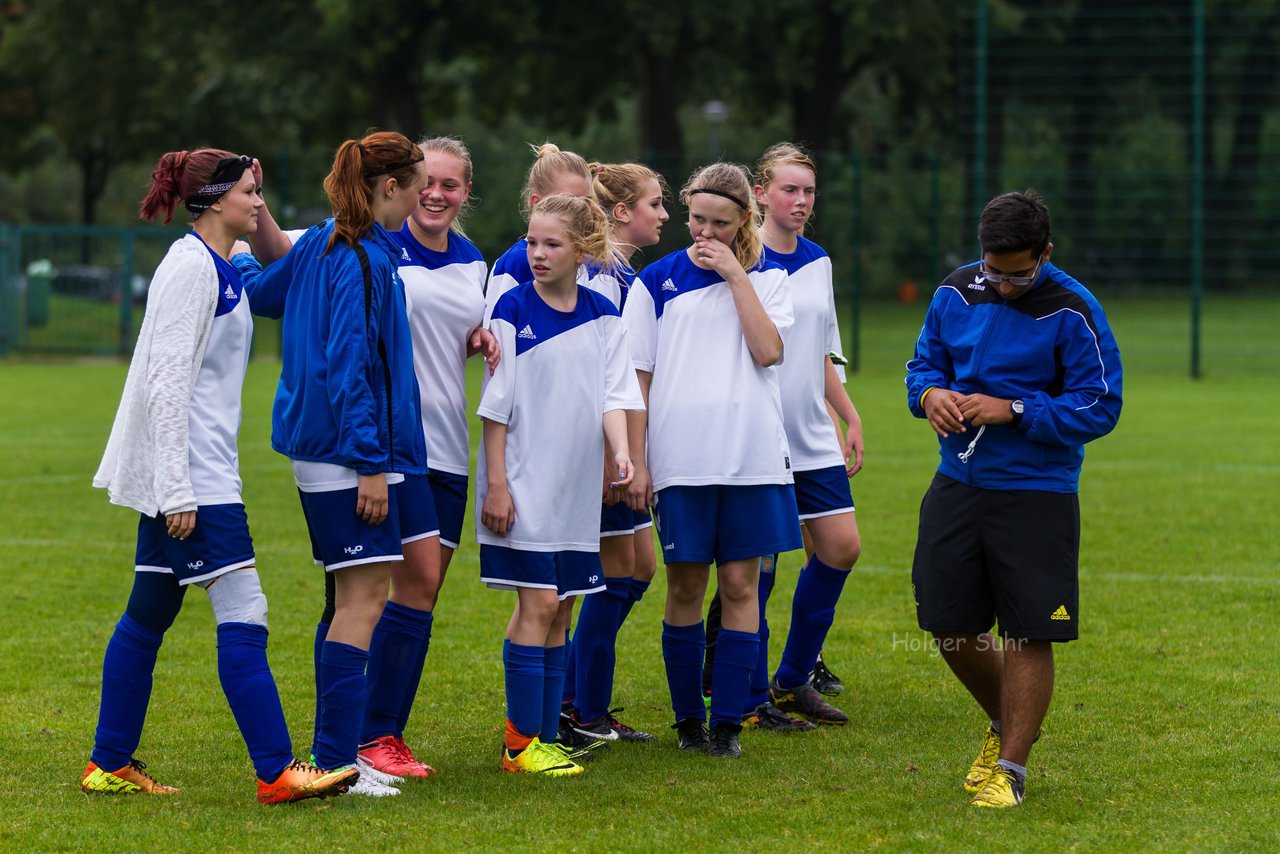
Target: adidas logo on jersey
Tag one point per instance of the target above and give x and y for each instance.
(527, 332)
(669, 285)
(353, 550)
(404, 254)
(230, 293)
(1060, 614)
(977, 284)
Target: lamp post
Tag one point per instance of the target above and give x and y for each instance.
(715, 112)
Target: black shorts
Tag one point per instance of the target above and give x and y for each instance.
(986, 556)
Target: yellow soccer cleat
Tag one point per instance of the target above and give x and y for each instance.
(129, 780)
(982, 767)
(300, 780)
(1002, 790)
(542, 759)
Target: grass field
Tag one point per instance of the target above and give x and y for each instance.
(1164, 731)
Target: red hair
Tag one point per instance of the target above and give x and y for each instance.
(357, 166)
(178, 176)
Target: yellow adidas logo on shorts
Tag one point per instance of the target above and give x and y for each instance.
(1060, 614)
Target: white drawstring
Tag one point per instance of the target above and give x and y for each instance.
(968, 452)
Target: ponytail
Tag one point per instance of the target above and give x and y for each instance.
(356, 168)
(178, 177)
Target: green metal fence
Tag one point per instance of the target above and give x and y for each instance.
(75, 289)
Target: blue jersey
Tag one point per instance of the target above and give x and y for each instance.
(347, 395)
(1051, 347)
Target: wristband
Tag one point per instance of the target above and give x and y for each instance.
(926, 394)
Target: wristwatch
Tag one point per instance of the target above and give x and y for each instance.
(1018, 408)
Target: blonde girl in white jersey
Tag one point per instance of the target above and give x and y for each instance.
(632, 197)
(823, 460)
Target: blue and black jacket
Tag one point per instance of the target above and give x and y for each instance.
(347, 392)
(1051, 347)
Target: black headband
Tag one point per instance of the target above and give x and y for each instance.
(730, 196)
(226, 175)
(371, 171)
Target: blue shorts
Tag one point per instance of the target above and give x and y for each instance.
(450, 493)
(705, 524)
(823, 492)
(416, 497)
(617, 520)
(219, 544)
(340, 538)
(567, 573)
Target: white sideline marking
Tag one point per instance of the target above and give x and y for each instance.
(1144, 578)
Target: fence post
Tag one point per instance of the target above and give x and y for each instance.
(10, 304)
(126, 291)
(980, 108)
(1197, 184)
(935, 217)
(853, 350)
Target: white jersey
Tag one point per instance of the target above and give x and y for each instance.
(715, 416)
(445, 295)
(512, 269)
(214, 418)
(560, 372)
(810, 433)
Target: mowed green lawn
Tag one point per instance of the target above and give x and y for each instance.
(1163, 732)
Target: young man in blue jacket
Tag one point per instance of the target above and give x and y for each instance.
(1015, 370)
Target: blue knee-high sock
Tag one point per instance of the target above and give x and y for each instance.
(682, 648)
(731, 674)
(813, 609)
(393, 652)
(638, 589)
(525, 680)
(415, 673)
(251, 693)
(343, 690)
(553, 674)
(571, 663)
(758, 692)
(126, 691)
(595, 647)
(322, 632)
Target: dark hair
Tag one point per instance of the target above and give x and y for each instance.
(356, 168)
(1014, 222)
(178, 176)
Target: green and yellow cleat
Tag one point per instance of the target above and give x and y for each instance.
(541, 759)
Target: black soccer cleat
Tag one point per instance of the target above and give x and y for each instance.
(691, 734)
(723, 741)
(804, 700)
(825, 681)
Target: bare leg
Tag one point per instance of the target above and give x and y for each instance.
(1024, 696)
(978, 663)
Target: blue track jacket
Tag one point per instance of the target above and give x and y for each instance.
(332, 403)
(1052, 348)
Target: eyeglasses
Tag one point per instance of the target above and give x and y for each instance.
(1016, 281)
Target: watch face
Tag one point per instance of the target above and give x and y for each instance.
(1017, 406)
